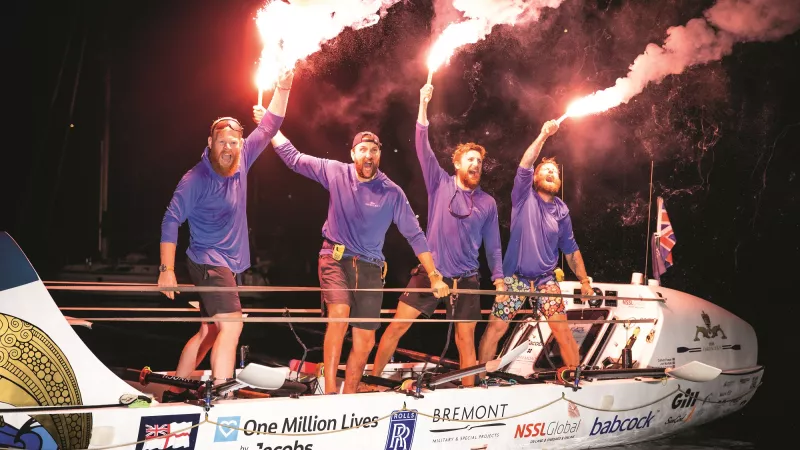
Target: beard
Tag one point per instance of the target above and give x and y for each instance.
(548, 187)
(469, 180)
(367, 169)
(222, 168)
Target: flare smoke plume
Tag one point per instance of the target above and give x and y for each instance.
(701, 40)
(292, 32)
(480, 16)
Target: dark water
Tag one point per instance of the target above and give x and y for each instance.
(158, 345)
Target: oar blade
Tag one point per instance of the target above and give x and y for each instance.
(263, 377)
(694, 371)
(512, 355)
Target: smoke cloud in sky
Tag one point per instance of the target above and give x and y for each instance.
(365, 104)
(701, 40)
(292, 31)
(493, 12)
(478, 17)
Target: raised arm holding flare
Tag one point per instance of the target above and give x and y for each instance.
(212, 196)
(540, 227)
(461, 216)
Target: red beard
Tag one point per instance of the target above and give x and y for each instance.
(360, 168)
(222, 170)
(548, 187)
(469, 181)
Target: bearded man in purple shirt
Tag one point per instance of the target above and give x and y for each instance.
(461, 217)
(540, 227)
(363, 203)
(212, 196)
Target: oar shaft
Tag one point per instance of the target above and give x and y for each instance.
(191, 288)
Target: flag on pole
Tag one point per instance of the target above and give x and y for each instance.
(663, 241)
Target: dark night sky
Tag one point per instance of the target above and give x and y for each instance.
(723, 136)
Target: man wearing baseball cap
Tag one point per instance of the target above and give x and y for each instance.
(363, 203)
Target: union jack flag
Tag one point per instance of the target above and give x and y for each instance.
(174, 431)
(663, 241)
(153, 431)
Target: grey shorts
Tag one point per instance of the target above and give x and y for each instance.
(213, 303)
(467, 306)
(352, 273)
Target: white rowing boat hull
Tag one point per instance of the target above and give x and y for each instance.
(44, 363)
(602, 413)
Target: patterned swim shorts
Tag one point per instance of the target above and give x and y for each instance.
(548, 306)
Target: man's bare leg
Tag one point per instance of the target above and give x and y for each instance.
(391, 337)
(465, 341)
(487, 350)
(566, 342)
(363, 342)
(332, 347)
(223, 352)
(207, 344)
(194, 351)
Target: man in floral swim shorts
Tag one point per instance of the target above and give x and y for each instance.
(540, 227)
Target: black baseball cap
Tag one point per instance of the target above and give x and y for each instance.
(366, 136)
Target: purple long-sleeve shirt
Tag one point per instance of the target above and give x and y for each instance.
(454, 241)
(538, 230)
(216, 206)
(359, 213)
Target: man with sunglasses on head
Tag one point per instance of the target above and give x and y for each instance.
(212, 196)
(540, 227)
(363, 203)
(461, 217)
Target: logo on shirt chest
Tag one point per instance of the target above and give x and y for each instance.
(372, 204)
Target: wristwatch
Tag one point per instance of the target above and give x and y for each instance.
(435, 273)
(164, 268)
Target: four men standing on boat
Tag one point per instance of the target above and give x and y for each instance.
(363, 203)
(460, 217)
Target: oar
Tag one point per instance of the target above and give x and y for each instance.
(253, 375)
(78, 322)
(699, 349)
(694, 371)
(491, 366)
(369, 379)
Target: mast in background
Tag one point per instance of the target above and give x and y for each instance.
(102, 236)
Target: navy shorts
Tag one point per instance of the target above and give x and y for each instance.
(467, 306)
(353, 273)
(213, 303)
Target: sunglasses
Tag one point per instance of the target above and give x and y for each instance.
(226, 122)
(471, 204)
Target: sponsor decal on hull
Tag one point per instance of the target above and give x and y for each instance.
(680, 403)
(402, 425)
(709, 333)
(237, 428)
(665, 362)
(468, 432)
(617, 425)
(555, 430)
(227, 429)
(175, 431)
(572, 410)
